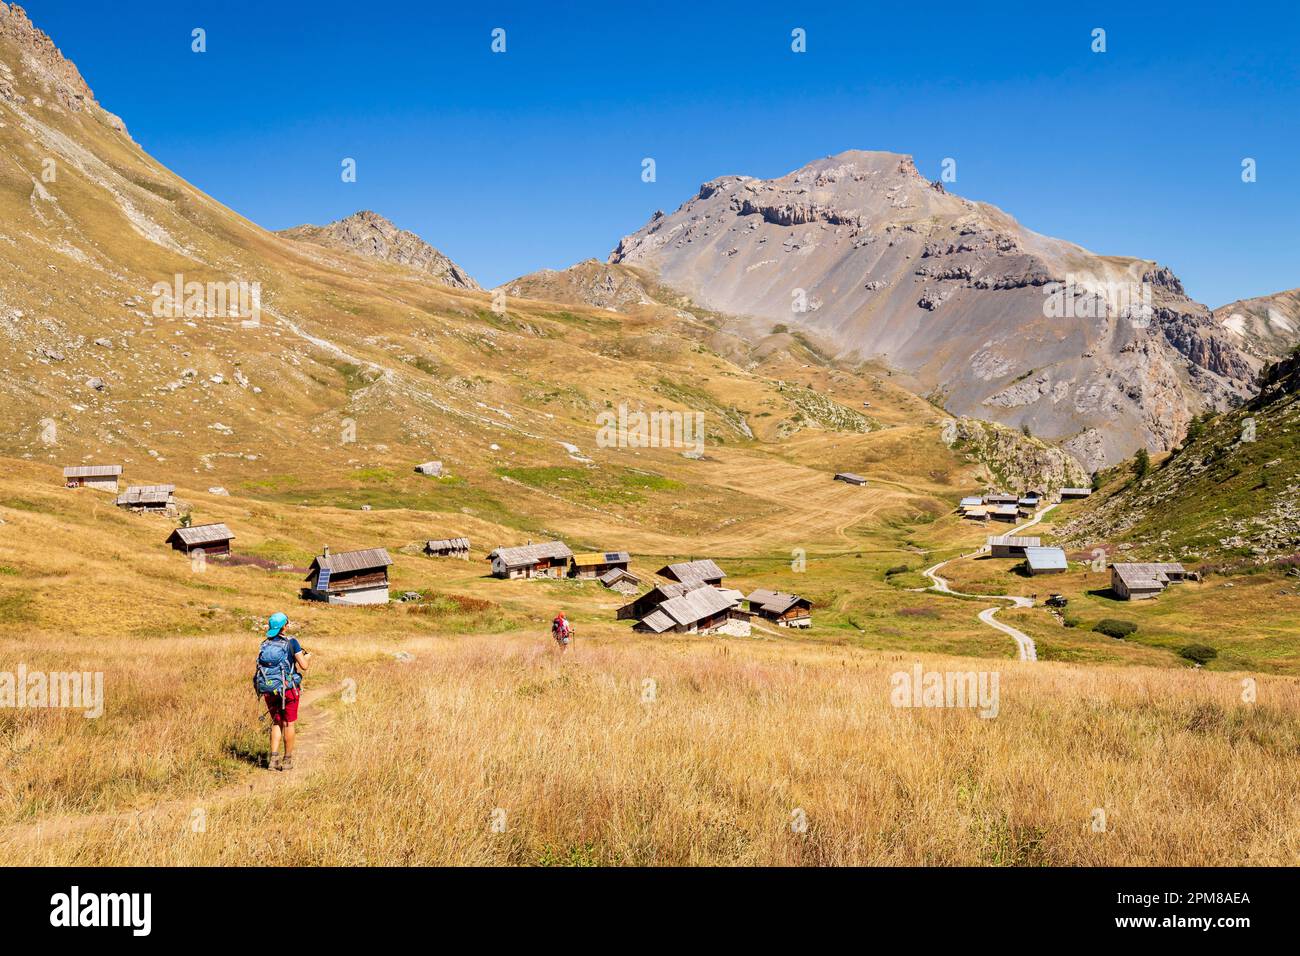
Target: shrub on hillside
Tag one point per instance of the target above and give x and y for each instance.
(897, 569)
(1113, 627)
(918, 612)
(1198, 653)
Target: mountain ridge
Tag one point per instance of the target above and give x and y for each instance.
(1266, 326)
(891, 266)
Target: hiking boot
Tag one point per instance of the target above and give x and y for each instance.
(287, 764)
(274, 763)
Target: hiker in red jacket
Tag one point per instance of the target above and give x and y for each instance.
(562, 631)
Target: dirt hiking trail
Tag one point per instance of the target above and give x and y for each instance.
(1026, 650)
(310, 744)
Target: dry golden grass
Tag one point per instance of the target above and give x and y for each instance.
(582, 769)
(740, 734)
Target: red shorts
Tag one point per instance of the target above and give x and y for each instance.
(283, 711)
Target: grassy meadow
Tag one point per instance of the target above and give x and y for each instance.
(487, 749)
(448, 732)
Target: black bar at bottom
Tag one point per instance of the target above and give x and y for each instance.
(243, 905)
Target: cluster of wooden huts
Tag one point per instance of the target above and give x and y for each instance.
(138, 498)
(1000, 506)
(691, 599)
(1130, 581)
(348, 577)
(1005, 506)
(694, 600)
(361, 576)
(1038, 559)
(554, 559)
(211, 539)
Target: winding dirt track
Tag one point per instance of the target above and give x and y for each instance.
(307, 752)
(1024, 643)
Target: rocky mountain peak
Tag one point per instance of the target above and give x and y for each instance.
(43, 60)
(1102, 353)
(34, 73)
(369, 234)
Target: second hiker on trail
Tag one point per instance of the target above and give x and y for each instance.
(281, 662)
(562, 631)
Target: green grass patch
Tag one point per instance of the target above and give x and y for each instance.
(16, 607)
(593, 486)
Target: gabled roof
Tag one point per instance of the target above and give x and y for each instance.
(347, 561)
(702, 570)
(448, 544)
(614, 575)
(1045, 559)
(971, 501)
(657, 621)
(1077, 491)
(662, 592)
(696, 605)
(589, 558)
(146, 495)
(850, 476)
(202, 534)
(1007, 509)
(1014, 541)
(92, 471)
(1146, 577)
(527, 554)
(774, 602)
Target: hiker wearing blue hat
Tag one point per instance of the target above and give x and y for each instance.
(281, 662)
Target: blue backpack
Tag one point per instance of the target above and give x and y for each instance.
(275, 672)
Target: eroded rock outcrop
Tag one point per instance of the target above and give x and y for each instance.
(369, 234)
(1014, 461)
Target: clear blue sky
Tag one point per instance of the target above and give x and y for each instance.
(512, 162)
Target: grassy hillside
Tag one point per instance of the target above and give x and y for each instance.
(1230, 494)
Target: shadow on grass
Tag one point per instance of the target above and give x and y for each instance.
(246, 752)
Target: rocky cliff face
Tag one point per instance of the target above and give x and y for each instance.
(371, 235)
(42, 65)
(1014, 461)
(1103, 354)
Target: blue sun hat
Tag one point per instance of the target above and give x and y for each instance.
(276, 624)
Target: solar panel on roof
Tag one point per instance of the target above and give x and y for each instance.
(612, 556)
